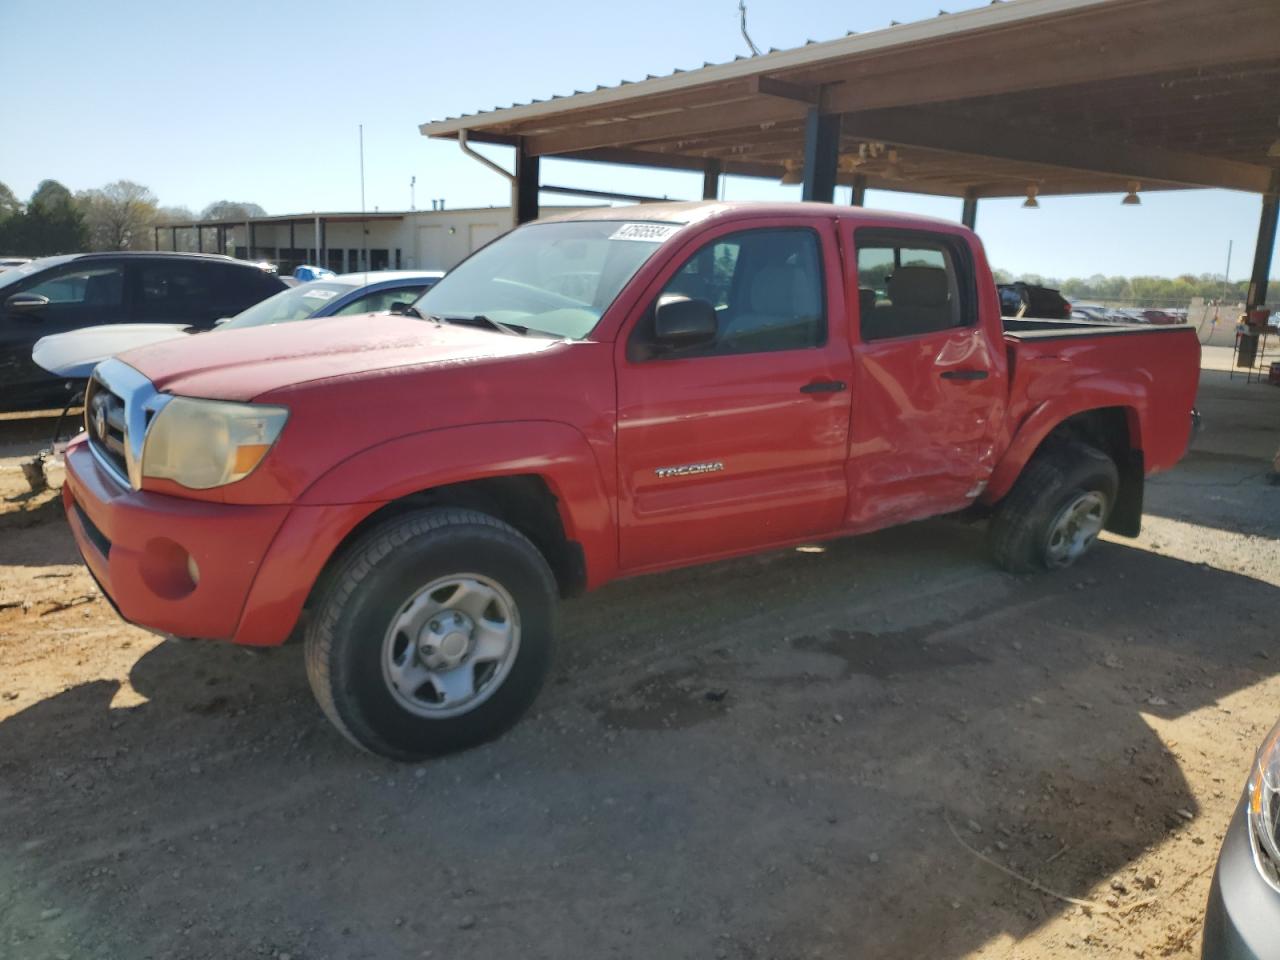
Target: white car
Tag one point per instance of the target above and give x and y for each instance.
(74, 354)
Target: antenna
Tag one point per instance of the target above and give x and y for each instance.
(742, 13)
(364, 226)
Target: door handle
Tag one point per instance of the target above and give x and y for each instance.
(964, 374)
(824, 386)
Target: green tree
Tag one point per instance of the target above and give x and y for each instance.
(231, 210)
(50, 224)
(9, 204)
(119, 216)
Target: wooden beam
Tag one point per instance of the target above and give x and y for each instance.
(937, 129)
(674, 161)
(773, 87)
(1163, 45)
(692, 122)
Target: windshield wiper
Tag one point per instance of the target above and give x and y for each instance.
(480, 320)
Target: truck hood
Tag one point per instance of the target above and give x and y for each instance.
(244, 364)
(75, 353)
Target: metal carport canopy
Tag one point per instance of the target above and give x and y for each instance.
(1068, 96)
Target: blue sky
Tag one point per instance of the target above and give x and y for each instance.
(244, 100)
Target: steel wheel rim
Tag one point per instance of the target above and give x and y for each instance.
(1075, 528)
(450, 645)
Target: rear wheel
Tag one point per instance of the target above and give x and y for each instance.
(433, 635)
(1056, 510)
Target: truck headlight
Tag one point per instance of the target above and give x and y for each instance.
(1264, 808)
(208, 443)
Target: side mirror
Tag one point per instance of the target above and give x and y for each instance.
(680, 322)
(26, 303)
(400, 308)
(220, 321)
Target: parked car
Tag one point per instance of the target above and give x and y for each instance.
(426, 487)
(1090, 312)
(72, 356)
(1242, 921)
(1021, 299)
(1160, 317)
(57, 294)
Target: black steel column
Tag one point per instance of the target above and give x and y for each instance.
(969, 212)
(821, 155)
(321, 260)
(199, 238)
(711, 180)
(173, 238)
(1266, 244)
(157, 237)
(249, 231)
(858, 196)
(293, 247)
(526, 187)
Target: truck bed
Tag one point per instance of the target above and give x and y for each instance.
(1052, 362)
(1032, 328)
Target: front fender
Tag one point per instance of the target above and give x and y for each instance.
(1082, 396)
(554, 451)
(350, 492)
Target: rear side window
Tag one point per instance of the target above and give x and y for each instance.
(767, 289)
(911, 284)
(181, 290)
(242, 287)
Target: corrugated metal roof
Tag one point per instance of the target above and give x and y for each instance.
(810, 53)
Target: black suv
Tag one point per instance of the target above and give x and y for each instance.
(56, 294)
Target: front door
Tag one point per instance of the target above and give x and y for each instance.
(85, 292)
(741, 443)
(929, 383)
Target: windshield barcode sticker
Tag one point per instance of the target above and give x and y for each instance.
(320, 294)
(648, 232)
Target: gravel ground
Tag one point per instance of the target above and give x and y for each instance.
(818, 753)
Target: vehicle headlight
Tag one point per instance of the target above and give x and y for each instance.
(208, 443)
(1264, 808)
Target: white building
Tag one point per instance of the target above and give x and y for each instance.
(404, 240)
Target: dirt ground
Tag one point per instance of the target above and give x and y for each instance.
(813, 753)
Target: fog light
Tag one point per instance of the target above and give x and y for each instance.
(193, 570)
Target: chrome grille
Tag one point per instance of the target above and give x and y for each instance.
(107, 427)
(119, 405)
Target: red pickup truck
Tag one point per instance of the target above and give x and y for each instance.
(589, 397)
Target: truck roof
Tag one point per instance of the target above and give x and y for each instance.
(693, 211)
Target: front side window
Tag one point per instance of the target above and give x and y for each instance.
(555, 279)
(91, 285)
(907, 285)
(766, 287)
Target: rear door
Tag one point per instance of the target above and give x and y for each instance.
(739, 444)
(929, 381)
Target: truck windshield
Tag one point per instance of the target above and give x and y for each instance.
(556, 279)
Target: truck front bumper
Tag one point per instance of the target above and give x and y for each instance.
(1242, 920)
(193, 568)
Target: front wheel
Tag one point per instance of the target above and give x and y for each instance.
(1056, 510)
(433, 635)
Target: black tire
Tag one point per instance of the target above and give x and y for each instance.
(370, 586)
(1057, 477)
